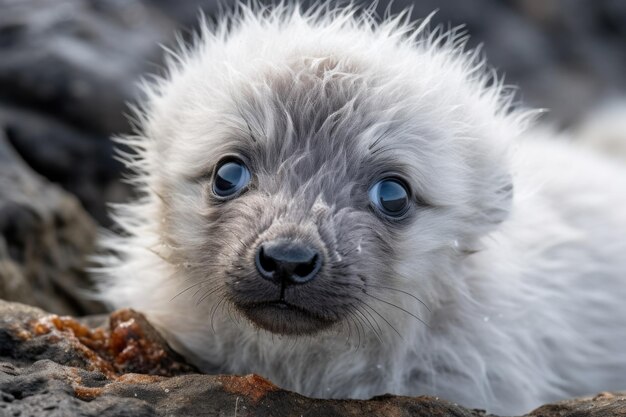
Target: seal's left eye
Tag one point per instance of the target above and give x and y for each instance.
(390, 196)
(230, 177)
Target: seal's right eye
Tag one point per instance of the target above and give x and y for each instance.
(230, 177)
(390, 196)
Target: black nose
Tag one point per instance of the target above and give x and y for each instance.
(287, 261)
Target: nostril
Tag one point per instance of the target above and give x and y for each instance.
(305, 268)
(265, 264)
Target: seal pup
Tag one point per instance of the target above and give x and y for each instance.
(352, 208)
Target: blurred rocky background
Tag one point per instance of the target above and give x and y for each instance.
(68, 68)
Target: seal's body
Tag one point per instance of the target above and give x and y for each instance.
(351, 209)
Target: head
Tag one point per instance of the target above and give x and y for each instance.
(304, 167)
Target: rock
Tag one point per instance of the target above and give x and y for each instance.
(605, 404)
(68, 68)
(129, 345)
(55, 366)
(45, 237)
(78, 60)
(81, 162)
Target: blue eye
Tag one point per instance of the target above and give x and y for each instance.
(390, 196)
(230, 177)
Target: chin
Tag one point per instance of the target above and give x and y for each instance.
(282, 318)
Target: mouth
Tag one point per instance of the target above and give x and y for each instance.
(284, 318)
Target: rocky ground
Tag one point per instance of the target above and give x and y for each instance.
(67, 69)
(57, 366)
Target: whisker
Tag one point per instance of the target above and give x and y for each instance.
(348, 324)
(403, 292)
(358, 327)
(382, 317)
(154, 252)
(369, 323)
(196, 293)
(399, 308)
(213, 311)
(188, 288)
(218, 288)
(378, 331)
(224, 305)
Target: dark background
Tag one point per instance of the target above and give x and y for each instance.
(67, 68)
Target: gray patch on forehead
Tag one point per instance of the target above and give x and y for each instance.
(312, 111)
(317, 120)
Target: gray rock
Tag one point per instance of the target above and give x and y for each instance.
(81, 162)
(67, 69)
(49, 389)
(78, 60)
(45, 237)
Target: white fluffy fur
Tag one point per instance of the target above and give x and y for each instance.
(526, 309)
